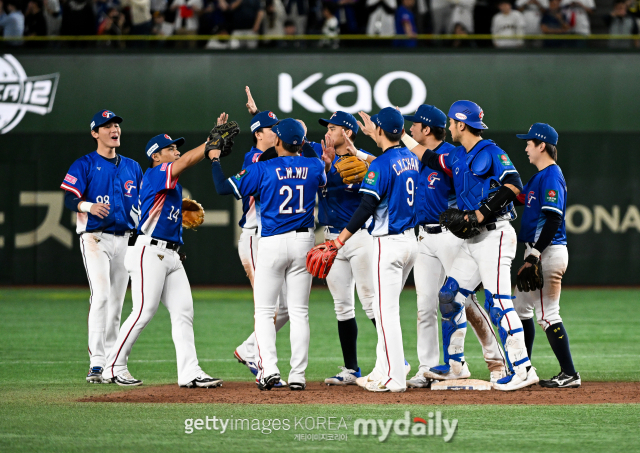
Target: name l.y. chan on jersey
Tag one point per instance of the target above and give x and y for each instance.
(301, 173)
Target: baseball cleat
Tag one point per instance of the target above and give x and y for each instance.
(497, 375)
(364, 380)
(204, 381)
(562, 381)
(345, 377)
(419, 381)
(297, 386)
(445, 372)
(268, 382)
(279, 385)
(95, 375)
(379, 387)
(251, 365)
(126, 380)
(515, 382)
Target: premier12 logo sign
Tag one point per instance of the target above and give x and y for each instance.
(20, 94)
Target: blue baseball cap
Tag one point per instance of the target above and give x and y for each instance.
(161, 141)
(541, 131)
(389, 120)
(102, 117)
(263, 119)
(469, 113)
(428, 115)
(289, 131)
(341, 118)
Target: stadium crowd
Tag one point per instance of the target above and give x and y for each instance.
(245, 19)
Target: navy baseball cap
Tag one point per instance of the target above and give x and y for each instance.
(289, 131)
(541, 131)
(263, 119)
(104, 116)
(161, 141)
(469, 113)
(428, 115)
(340, 118)
(389, 120)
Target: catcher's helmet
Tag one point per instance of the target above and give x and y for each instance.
(469, 113)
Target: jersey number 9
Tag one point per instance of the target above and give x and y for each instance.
(410, 191)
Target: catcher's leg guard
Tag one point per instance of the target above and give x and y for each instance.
(513, 346)
(452, 330)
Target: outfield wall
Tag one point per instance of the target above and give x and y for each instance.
(47, 101)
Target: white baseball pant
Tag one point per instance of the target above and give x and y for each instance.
(554, 260)
(393, 259)
(157, 274)
(487, 258)
(352, 268)
(103, 257)
(436, 253)
(282, 260)
(248, 252)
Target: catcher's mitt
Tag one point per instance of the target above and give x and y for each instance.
(227, 133)
(192, 213)
(454, 221)
(319, 261)
(352, 169)
(530, 278)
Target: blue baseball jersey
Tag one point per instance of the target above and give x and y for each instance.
(94, 179)
(474, 171)
(337, 201)
(435, 192)
(161, 204)
(545, 191)
(393, 179)
(249, 219)
(286, 187)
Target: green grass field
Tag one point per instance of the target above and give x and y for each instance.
(43, 362)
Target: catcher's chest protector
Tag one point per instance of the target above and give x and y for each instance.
(470, 173)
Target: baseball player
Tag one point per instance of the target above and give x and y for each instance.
(286, 186)
(437, 248)
(263, 138)
(486, 184)
(544, 234)
(102, 187)
(352, 267)
(389, 195)
(155, 265)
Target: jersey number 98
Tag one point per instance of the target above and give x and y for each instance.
(101, 199)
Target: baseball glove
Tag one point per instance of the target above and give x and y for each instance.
(192, 213)
(454, 221)
(530, 278)
(352, 169)
(319, 261)
(227, 133)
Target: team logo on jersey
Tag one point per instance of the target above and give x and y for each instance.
(530, 198)
(552, 196)
(107, 114)
(432, 178)
(22, 94)
(504, 160)
(372, 178)
(128, 186)
(70, 179)
(240, 175)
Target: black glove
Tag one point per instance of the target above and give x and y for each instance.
(227, 132)
(530, 278)
(454, 220)
(215, 142)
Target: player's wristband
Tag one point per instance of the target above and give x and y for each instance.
(85, 206)
(409, 141)
(361, 155)
(339, 242)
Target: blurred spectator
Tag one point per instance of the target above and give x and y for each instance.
(140, 11)
(247, 17)
(331, 28)
(532, 11)
(346, 14)
(275, 15)
(577, 13)
(382, 17)
(77, 18)
(12, 22)
(160, 26)
(34, 21)
(554, 23)
(53, 16)
(297, 11)
(111, 23)
(620, 22)
(462, 14)
(634, 8)
(158, 6)
(441, 16)
(187, 15)
(508, 22)
(459, 29)
(406, 24)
